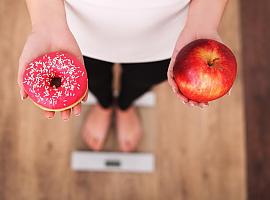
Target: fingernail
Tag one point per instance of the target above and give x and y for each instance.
(77, 114)
(202, 107)
(22, 98)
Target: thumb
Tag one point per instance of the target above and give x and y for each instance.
(85, 97)
(28, 54)
(176, 50)
(22, 65)
(178, 47)
(78, 53)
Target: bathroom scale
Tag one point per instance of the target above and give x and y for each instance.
(85, 160)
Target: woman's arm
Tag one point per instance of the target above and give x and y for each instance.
(49, 33)
(47, 12)
(202, 22)
(205, 14)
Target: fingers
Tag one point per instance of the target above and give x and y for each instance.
(85, 97)
(23, 94)
(178, 93)
(77, 109)
(181, 97)
(29, 52)
(203, 105)
(170, 76)
(190, 102)
(185, 100)
(194, 103)
(172, 84)
(80, 58)
(65, 115)
(229, 93)
(49, 114)
(198, 104)
(175, 89)
(171, 80)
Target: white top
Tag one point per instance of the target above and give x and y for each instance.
(126, 31)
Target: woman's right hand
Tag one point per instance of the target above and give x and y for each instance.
(186, 36)
(44, 39)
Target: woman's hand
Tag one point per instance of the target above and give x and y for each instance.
(197, 28)
(44, 39)
(188, 35)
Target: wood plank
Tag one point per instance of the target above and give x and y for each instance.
(256, 48)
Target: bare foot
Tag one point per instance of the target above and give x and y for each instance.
(129, 130)
(95, 127)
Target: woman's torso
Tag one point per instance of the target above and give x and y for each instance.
(126, 30)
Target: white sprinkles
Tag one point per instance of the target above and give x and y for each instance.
(38, 76)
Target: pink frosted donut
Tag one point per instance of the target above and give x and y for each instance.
(55, 81)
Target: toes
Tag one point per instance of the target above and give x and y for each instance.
(128, 144)
(124, 146)
(95, 128)
(128, 136)
(93, 142)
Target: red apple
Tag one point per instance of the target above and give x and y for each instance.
(205, 70)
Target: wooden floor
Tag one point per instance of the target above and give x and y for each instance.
(200, 153)
(256, 48)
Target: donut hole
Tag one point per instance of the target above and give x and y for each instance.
(55, 82)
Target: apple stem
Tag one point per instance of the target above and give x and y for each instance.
(212, 62)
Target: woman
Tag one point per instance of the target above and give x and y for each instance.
(144, 36)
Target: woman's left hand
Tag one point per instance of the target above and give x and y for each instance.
(188, 35)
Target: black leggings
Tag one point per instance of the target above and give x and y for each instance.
(136, 79)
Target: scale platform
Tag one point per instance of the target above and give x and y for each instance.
(111, 162)
(146, 100)
(84, 160)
